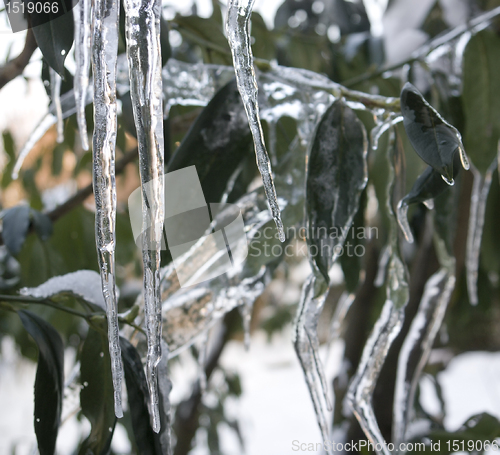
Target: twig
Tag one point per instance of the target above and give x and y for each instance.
(429, 47)
(15, 67)
(85, 192)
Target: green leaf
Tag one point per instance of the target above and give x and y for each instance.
(96, 396)
(147, 441)
(429, 184)
(54, 37)
(337, 175)
(481, 86)
(208, 34)
(264, 46)
(42, 224)
(16, 222)
(49, 381)
(216, 143)
(350, 261)
(434, 140)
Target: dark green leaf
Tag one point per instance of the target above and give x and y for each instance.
(430, 184)
(146, 439)
(433, 139)
(16, 223)
(216, 143)
(208, 34)
(96, 396)
(42, 224)
(337, 175)
(481, 86)
(49, 381)
(54, 38)
(350, 261)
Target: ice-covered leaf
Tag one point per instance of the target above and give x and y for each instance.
(481, 103)
(84, 284)
(351, 259)
(147, 441)
(431, 136)
(96, 396)
(429, 184)
(54, 36)
(217, 142)
(49, 381)
(15, 225)
(337, 174)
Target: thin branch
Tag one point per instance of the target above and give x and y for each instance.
(426, 49)
(15, 67)
(85, 192)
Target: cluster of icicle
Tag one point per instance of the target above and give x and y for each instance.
(142, 23)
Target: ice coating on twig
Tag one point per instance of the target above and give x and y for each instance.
(238, 15)
(81, 15)
(418, 343)
(386, 329)
(402, 215)
(142, 26)
(305, 339)
(55, 94)
(104, 54)
(479, 197)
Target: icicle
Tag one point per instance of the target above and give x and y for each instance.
(36, 135)
(142, 25)
(478, 201)
(81, 15)
(305, 339)
(104, 53)
(402, 215)
(239, 41)
(387, 327)
(418, 343)
(55, 94)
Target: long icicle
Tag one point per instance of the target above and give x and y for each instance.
(55, 93)
(81, 15)
(142, 25)
(104, 55)
(387, 327)
(238, 36)
(478, 200)
(417, 346)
